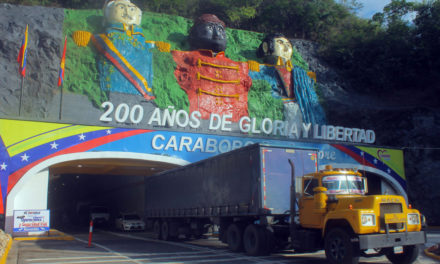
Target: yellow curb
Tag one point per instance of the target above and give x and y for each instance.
(44, 238)
(62, 236)
(5, 254)
(432, 255)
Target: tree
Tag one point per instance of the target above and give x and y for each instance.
(353, 5)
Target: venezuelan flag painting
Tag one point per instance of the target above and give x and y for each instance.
(21, 59)
(62, 64)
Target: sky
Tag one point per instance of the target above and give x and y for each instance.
(371, 7)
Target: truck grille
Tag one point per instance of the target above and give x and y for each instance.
(390, 208)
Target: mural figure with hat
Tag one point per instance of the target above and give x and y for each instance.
(292, 84)
(213, 82)
(127, 67)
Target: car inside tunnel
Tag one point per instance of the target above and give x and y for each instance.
(104, 187)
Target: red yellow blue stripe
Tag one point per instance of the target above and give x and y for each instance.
(21, 59)
(62, 64)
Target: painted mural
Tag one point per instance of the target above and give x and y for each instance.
(26, 144)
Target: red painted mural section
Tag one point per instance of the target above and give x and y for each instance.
(213, 82)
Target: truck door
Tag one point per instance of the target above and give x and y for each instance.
(309, 217)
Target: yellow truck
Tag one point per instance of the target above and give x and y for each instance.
(253, 196)
(336, 214)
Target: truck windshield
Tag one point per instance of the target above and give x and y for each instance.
(343, 184)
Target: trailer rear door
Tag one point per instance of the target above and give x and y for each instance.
(276, 174)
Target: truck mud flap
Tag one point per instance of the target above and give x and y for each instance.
(391, 240)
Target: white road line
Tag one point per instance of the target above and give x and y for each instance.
(161, 241)
(195, 255)
(111, 251)
(207, 260)
(132, 255)
(90, 261)
(140, 258)
(193, 247)
(78, 258)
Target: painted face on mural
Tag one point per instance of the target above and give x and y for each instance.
(282, 48)
(210, 36)
(123, 11)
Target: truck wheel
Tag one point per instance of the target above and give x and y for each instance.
(271, 242)
(254, 240)
(156, 229)
(409, 255)
(165, 231)
(339, 249)
(235, 237)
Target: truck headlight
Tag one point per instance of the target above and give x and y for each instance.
(368, 220)
(413, 219)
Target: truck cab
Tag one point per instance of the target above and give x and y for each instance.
(334, 204)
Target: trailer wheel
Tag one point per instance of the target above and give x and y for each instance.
(235, 237)
(254, 240)
(156, 229)
(339, 249)
(165, 231)
(409, 255)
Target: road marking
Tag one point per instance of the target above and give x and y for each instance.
(198, 248)
(199, 254)
(193, 255)
(73, 258)
(111, 251)
(91, 261)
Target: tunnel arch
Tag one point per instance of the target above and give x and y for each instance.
(39, 174)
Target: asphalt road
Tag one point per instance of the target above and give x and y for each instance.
(139, 247)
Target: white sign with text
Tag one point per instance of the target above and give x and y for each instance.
(31, 220)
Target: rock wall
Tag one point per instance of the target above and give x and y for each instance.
(45, 40)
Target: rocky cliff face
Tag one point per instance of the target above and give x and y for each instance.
(45, 40)
(399, 120)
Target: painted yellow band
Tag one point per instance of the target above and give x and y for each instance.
(219, 95)
(201, 63)
(199, 76)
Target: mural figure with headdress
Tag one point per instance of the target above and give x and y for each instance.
(292, 84)
(213, 82)
(127, 63)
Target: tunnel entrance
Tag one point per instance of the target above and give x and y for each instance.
(108, 186)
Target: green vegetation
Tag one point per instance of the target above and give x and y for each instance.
(388, 54)
(384, 54)
(262, 104)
